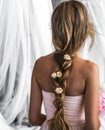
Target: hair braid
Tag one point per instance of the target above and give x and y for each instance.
(59, 121)
(70, 28)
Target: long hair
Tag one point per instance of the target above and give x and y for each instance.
(70, 28)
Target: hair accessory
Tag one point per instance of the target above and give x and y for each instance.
(58, 90)
(59, 74)
(67, 57)
(56, 74)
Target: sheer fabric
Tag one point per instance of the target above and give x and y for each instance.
(25, 35)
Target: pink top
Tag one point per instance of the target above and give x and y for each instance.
(73, 106)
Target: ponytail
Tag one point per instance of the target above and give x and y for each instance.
(70, 28)
(59, 78)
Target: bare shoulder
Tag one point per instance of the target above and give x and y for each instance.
(91, 102)
(91, 71)
(43, 62)
(86, 67)
(39, 63)
(91, 67)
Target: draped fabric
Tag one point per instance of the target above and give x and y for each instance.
(97, 52)
(25, 35)
(74, 110)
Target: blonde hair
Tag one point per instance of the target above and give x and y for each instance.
(70, 29)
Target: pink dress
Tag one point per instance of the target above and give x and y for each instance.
(74, 110)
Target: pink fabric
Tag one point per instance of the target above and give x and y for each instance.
(102, 102)
(74, 110)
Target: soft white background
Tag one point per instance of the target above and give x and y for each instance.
(25, 35)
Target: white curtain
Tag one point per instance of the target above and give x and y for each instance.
(97, 53)
(25, 35)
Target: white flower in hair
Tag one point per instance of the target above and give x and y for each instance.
(67, 57)
(54, 75)
(59, 74)
(58, 90)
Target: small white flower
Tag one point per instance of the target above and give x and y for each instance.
(67, 57)
(54, 75)
(59, 74)
(58, 90)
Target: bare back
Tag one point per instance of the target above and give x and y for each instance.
(76, 81)
(83, 80)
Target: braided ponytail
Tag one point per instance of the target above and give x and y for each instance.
(70, 29)
(59, 78)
